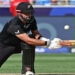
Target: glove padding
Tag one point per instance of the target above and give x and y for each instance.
(46, 39)
(55, 44)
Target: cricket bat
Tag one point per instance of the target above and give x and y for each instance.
(70, 43)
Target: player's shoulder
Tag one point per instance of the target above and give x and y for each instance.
(12, 24)
(13, 21)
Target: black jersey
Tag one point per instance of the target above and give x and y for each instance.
(14, 27)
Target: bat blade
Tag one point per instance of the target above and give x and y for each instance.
(70, 43)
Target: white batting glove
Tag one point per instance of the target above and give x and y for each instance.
(55, 44)
(45, 39)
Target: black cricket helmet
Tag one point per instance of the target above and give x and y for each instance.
(25, 7)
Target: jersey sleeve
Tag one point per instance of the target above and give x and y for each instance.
(15, 30)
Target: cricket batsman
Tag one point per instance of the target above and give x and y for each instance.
(15, 37)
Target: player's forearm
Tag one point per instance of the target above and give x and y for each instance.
(36, 42)
(24, 37)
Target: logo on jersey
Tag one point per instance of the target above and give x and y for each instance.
(17, 32)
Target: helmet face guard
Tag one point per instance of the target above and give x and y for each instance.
(29, 20)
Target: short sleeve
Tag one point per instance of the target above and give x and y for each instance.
(15, 29)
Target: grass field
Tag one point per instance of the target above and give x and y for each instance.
(44, 63)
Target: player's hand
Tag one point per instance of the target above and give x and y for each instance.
(55, 43)
(46, 39)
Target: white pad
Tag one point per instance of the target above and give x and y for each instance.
(55, 44)
(29, 73)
